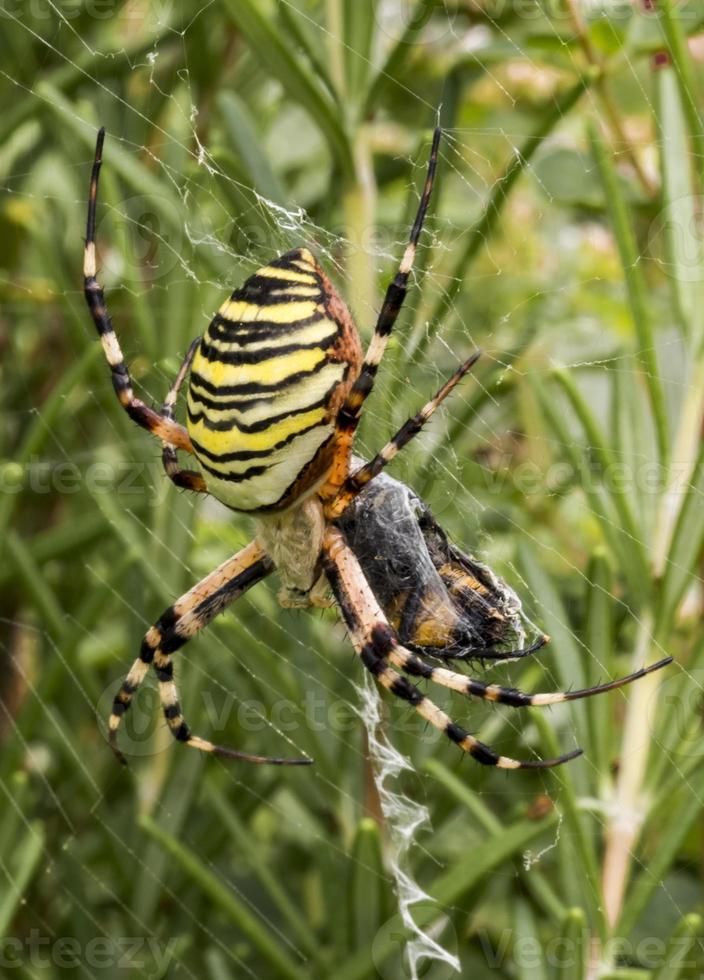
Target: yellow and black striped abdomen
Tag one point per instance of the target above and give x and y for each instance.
(266, 383)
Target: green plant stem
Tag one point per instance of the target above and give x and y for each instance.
(359, 207)
(226, 900)
(627, 810)
(635, 286)
(335, 33)
(554, 113)
(677, 45)
(685, 451)
(601, 86)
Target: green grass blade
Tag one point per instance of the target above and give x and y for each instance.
(21, 867)
(635, 287)
(629, 529)
(686, 935)
(572, 962)
(669, 12)
(226, 901)
(679, 218)
(275, 54)
(677, 816)
(552, 115)
(245, 141)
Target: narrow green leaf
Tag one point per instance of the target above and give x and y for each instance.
(572, 962)
(599, 637)
(246, 844)
(269, 47)
(669, 16)
(597, 499)
(568, 658)
(20, 869)
(617, 490)
(368, 894)
(387, 76)
(677, 223)
(36, 586)
(226, 900)
(686, 934)
(42, 426)
(139, 177)
(552, 115)
(676, 818)
(632, 445)
(245, 141)
(529, 955)
(298, 24)
(686, 547)
(576, 840)
(462, 792)
(451, 886)
(635, 286)
(359, 20)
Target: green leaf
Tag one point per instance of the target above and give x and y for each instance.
(226, 900)
(678, 224)
(635, 287)
(686, 935)
(271, 49)
(574, 947)
(368, 891)
(20, 866)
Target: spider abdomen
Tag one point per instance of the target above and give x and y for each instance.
(267, 380)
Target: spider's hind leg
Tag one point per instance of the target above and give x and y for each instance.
(378, 647)
(416, 667)
(194, 610)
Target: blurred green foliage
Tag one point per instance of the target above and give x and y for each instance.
(565, 241)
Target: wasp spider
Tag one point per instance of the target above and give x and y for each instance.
(276, 388)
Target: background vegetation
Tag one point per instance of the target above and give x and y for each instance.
(565, 241)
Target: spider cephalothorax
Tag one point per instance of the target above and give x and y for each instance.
(276, 390)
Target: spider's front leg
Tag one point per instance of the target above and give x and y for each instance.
(188, 615)
(186, 479)
(164, 428)
(377, 645)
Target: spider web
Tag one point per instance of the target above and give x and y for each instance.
(519, 282)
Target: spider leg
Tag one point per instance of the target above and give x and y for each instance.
(411, 664)
(410, 428)
(188, 479)
(164, 428)
(350, 413)
(484, 653)
(378, 646)
(181, 621)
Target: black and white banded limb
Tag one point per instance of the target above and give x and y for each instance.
(350, 413)
(377, 644)
(177, 625)
(186, 479)
(162, 427)
(410, 428)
